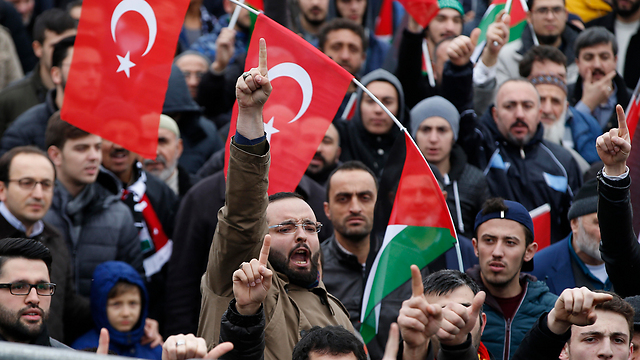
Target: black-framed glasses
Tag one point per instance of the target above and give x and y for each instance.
(21, 288)
(30, 183)
(543, 11)
(289, 227)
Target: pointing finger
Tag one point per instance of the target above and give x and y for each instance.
(599, 298)
(262, 62)
(499, 17)
(264, 252)
(622, 120)
(416, 281)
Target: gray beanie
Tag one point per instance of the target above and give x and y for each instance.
(634, 301)
(585, 201)
(435, 106)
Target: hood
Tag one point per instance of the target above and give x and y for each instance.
(105, 276)
(382, 75)
(178, 99)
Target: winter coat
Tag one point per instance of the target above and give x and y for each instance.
(29, 128)
(21, 96)
(467, 190)
(97, 227)
(502, 338)
(585, 129)
(105, 277)
(357, 143)
(539, 172)
(631, 70)
(199, 136)
(619, 245)
(246, 332)
(344, 277)
(69, 311)
(241, 227)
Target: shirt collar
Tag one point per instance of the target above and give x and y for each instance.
(583, 267)
(38, 227)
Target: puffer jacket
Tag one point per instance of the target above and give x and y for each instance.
(501, 337)
(537, 173)
(584, 131)
(241, 227)
(97, 227)
(105, 277)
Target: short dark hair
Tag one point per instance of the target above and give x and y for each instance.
(497, 204)
(55, 20)
(122, 287)
(329, 340)
(445, 281)
(540, 53)
(72, 4)
(12, 248)
(595, 36)
(340, 24)
(59, 131)
(7, 158)
(350, 165)
(285, 195)
(618, 306)
(61, 50)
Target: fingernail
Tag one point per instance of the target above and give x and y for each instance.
(258, 78)
(258, 281)
(253, 284)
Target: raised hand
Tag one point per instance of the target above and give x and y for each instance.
(103, 342)
(252, 91)
(497, 37)
(597, 92)
(461, 48)
(575, 307)
(458, 321)
(180, 347)
(614, 146)
(225, 48)
(252, 281)
(418, 320)
(393, 343)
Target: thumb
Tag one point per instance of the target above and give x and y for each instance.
(103, 342)
(475, 34)
(477, 303)
(219, 350)
(506, 19)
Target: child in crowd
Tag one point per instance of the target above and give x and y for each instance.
(119, 303)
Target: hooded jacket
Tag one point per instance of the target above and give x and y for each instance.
(537, 173)
(357, 143)
(105, 277)
(199, 135)
(97, 227)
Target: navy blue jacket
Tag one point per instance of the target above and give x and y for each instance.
(105, 277)
(585, 129)
(553, 265)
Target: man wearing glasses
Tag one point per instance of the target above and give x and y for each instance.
(26, 188)
(295, 299)
(25, 265)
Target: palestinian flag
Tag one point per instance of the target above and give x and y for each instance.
(384, 21)
(518, 11)
(419, 229)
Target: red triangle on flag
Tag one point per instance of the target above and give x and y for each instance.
(422, 11)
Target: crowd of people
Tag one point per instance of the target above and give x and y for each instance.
(128, 254)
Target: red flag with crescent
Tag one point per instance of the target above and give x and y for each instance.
(308, 88)
(120, 69)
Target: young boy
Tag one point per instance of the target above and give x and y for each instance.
(119, 303)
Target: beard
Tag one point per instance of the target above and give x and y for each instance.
(587, 243)
(353, 235)
(626, 13)
(13, 326)
(555, 132)
(314, 22)
(504, 283)
(165, 173)
(303, 278)
(547, 39)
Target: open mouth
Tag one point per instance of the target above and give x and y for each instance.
(300, 257)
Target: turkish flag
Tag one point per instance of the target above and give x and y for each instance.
(422, 11)
(308, 88)
(120, 69)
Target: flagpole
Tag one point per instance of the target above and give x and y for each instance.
(248, 8)
(427, 62)
(359, 84)
(234, 16)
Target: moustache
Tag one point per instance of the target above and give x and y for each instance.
(295, 248)
(158, 160)
(36, 201)
(519, 123)
(116, 152)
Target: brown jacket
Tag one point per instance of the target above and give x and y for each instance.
(241, 228)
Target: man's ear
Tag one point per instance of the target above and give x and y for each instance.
(37, 49)
(530, 251)
(564, 354)
(475, 247)
(56, 75)
(180, 148)
(326, 210)
(55, 154)
(484, 322)
(3, 191)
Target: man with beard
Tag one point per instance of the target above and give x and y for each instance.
(599, 87)
(548, 19)
(504, 245)
(25, 292)
(624, 23)
(297, 299)
(576, 261)
(312, 15)
(326, 158)
(507, 142)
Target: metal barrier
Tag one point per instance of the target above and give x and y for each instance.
(15, 351)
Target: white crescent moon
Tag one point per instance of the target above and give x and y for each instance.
(141, 7)
(300, 75)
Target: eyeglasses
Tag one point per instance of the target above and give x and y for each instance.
(543, 11)
(30, 184)
(290, 227)
(20, 288)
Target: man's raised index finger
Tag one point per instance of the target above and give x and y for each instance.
(416, 281)
(262, 61)
(599, 298)
(264, 252)
(622, 118)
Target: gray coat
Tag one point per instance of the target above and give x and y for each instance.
(97, 227)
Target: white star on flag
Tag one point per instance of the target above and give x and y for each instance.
(125, 64)
(269, 129)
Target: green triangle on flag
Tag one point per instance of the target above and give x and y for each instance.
(518, 12)
(419, 230)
